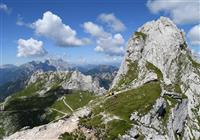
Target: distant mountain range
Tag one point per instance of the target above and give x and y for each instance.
(104, 73)
(14, 78)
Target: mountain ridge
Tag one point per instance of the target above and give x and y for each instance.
(155, 94)
(14, 78)
(48, 96)
(158, 52)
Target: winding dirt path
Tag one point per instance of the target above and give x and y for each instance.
(67, 104)
(59, 111)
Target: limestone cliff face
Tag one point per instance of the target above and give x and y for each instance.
(158, 52)
(68, 80)
(158, 42)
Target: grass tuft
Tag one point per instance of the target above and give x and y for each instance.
(77, 135)
(152, 67)
(194, 63)
(141, 34)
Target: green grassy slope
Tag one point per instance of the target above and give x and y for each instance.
(122, 105)
(27, 108)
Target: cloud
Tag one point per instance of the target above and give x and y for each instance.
(20, 22)
(181, 11)
(107, 43)
(94, 29)
(112, 45)
(112, 22)
(109, 59)
(194, 35)
(4, 8)
(30, 47)
(52, 26)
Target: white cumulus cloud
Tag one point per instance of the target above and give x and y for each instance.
(112, 45)
(30, 47)
(94, 29)
(194, 35)
(181, 11)
(4, 8)
(114, 23)
(52, 26)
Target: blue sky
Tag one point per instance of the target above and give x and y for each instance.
(25, 37)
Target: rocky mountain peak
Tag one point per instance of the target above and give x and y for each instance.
(158, 42)
(60, 64)
(157, 52)
(162, 41)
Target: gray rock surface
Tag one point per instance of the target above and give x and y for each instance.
(68, 80)
(180, 113)
(163, 45)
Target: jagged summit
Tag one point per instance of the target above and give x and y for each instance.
(157, 52)
(158, 42)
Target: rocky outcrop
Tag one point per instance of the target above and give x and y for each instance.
(158, 51)
(67, 80)
(157, 42)
(180, 114)
(82, 82)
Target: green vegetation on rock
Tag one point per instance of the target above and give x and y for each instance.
(116, 128)
(92, 122)
(141, 34)
(183, 46)
(195, 111)
(122, 106)
(168, 108)
(77, 135)
(180, 61)
(177, 88)
(194, 63)
(131, 75)
(109, 131)
(152, 67)
(173, 88)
